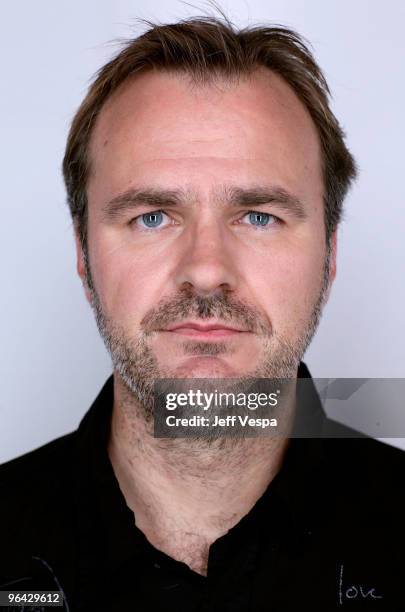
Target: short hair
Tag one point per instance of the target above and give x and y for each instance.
(205, 48)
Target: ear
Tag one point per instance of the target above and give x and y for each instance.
(81, 268)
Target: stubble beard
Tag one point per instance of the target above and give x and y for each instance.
(138, 367)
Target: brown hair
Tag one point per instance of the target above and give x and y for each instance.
(204, 48)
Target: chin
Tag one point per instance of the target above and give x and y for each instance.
(205, 367)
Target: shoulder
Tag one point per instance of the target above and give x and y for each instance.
(38, 479)
(36, 517)
(371, 448)
(38, 463)
(364, 467)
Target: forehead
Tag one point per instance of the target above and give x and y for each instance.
(158, 124)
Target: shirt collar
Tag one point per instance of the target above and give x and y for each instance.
(107, 533)
(108, 536)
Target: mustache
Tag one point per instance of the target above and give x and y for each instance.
(219, 306)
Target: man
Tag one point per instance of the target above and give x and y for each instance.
(205, 175)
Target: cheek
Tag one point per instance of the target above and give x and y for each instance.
(288, 285)
(126, 281)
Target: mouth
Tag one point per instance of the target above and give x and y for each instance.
(201, 331)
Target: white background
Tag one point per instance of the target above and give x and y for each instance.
(53, 362)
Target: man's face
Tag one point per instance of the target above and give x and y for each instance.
(205, 207)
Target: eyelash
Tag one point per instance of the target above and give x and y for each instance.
(277, 220)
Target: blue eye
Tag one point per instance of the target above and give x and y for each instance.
(260, 219)
(150, 220)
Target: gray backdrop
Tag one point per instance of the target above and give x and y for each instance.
(52, 360)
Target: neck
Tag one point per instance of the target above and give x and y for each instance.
(186, 494)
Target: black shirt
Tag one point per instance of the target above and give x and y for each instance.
(328, 534)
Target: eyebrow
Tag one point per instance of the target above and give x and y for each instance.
(235, 196)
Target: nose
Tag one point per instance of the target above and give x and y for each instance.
(207, 263)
